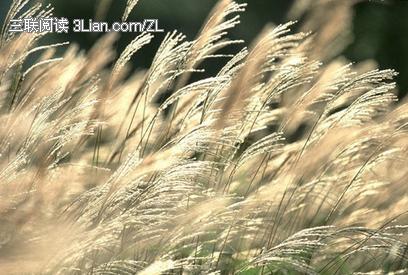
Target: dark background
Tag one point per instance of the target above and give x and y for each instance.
(380, 28)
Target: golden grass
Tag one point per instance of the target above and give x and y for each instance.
(288, 161)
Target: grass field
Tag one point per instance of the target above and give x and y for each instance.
(290, 160)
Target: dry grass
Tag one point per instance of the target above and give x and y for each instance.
(278, 164)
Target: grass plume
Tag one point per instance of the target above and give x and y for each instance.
(287, 161)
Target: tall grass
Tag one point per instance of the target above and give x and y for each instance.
(288, 161)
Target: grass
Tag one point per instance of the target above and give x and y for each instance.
(288, 161)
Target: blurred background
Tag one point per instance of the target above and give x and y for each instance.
(379, 28)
